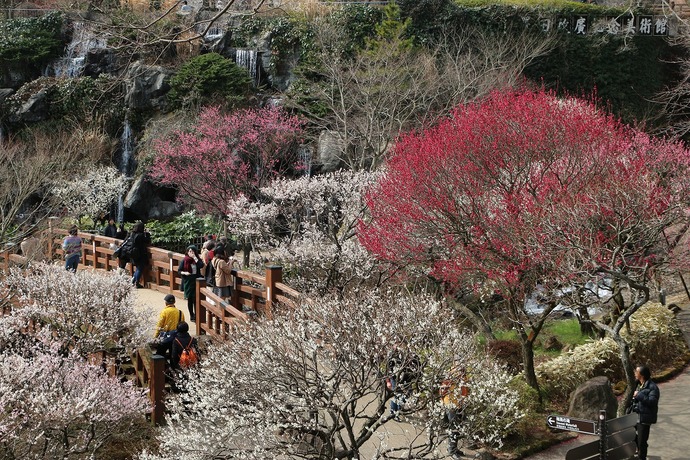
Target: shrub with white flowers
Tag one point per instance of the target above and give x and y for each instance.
(92, 193)
(311, 383)
(82, 312)
(309, 226)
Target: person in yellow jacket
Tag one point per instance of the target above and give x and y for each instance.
(453, 391)
(168, 319)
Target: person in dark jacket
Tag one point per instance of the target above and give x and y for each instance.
(190, 269)
(110, 230)
(182, 341)
(135, 250)
(646, 404)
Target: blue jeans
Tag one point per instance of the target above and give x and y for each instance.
(72, 261)
(137, 275)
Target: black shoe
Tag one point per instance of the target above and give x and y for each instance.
(139, 286)
(192, 318)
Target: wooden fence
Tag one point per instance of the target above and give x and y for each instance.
(252, 294)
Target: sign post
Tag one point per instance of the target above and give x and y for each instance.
(562, 422)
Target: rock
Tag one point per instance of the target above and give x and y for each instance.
(551, 343)
(143, 200)
(35, 109)
(331, 148)
(591, 397)
(100, 61)
(147, 86)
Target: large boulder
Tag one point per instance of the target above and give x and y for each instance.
(591, 397)
(143, 201)
(147, 86)
(34, 109)
(331, 149)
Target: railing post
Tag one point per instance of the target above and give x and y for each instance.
(157, 387)
(171, 270)
(95, 252)
(200, 284)
(602, 435)
(274, 274)
(235, 295)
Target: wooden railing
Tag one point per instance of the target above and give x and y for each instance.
(252, 294)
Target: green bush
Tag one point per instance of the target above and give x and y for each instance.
(209, 79)
(656, 339)
(31, 41)
(177, 233)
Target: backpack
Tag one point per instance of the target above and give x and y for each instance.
(126, 248)
(211, 274)
(189, 356)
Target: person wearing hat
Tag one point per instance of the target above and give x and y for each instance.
(189, 270)
(168, 319)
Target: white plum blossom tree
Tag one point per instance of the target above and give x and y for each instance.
(311, 383)
(54, 401)
(83, 312)
(309, 226)
(92, 193)
(56, 407)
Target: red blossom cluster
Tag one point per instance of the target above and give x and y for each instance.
(521, 188)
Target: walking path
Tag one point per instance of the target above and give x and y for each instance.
(669, 439)
(151, 301)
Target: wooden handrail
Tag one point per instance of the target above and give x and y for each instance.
(215, 317)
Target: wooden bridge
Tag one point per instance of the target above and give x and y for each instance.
(251, 294)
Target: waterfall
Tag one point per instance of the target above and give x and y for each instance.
(249, 60)
(125, 164)
(127, 144)
(71, 64)
(305, 159)
(214, 33)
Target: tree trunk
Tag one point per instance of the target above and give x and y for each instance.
(528, 363)
(477, 320)
(624, 352)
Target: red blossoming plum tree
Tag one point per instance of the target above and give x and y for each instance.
(526, 193)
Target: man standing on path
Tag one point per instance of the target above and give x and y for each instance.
(646, 404)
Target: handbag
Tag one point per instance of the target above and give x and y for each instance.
(168, 336)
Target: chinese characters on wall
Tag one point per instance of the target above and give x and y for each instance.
(584, 25)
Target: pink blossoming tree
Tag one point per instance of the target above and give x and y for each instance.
(524, 192)
(227, 154)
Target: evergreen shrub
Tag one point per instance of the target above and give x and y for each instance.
(207, 78)
(31, 41)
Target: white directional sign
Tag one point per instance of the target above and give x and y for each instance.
(562, 422)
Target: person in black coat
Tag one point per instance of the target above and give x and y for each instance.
(646, 404)
(135, 250)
